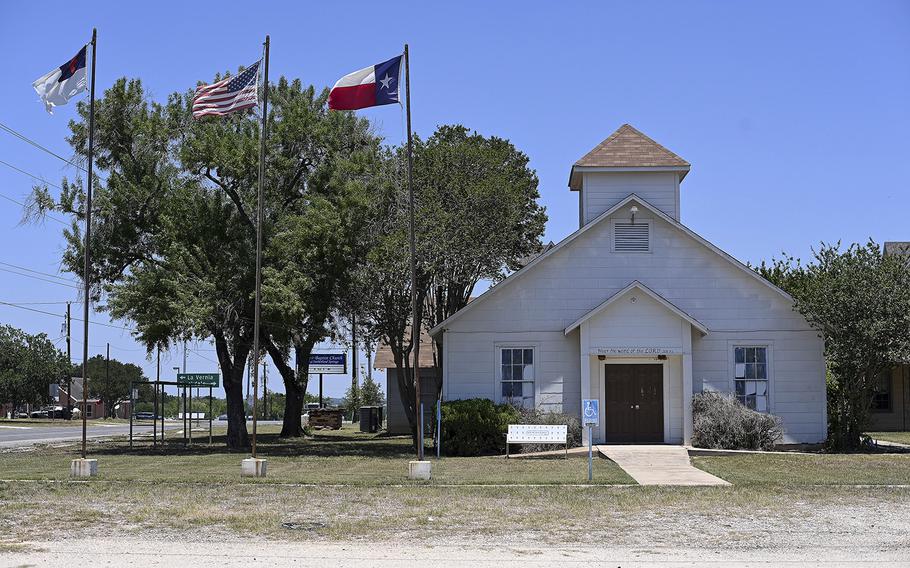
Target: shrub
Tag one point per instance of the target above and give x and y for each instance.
(475, 426)
(539, 416)
(722, 422)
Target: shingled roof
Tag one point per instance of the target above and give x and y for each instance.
(627, 148)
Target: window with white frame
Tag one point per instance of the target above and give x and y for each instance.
(751, 377)
(516, 375)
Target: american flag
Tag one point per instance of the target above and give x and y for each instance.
(228, 95)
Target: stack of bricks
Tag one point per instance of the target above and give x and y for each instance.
(326, 418)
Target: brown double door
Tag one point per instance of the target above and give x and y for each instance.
(634, 401)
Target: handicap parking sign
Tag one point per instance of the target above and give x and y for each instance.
(590, 412)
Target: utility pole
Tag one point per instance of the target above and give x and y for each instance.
(69, 361)
(107, 368)
(355, 384)
(265, 390)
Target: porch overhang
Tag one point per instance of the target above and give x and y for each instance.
(636, 285)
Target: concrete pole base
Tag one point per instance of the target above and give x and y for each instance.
(84, 468)
(253, 467)
(419, 469)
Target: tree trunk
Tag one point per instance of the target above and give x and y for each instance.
(407, 392)
(232, 370)
(295, 384)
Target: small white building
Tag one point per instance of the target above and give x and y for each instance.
(637, 310)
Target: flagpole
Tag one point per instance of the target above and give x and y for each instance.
(88, 244)
(415, 325)
(259, 202)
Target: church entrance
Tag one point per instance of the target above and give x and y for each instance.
(634, 403)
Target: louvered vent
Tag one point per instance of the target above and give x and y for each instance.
(631, 237)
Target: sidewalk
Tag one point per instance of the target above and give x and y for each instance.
(658, 465)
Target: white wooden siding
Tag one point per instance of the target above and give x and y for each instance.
(602, 190)
(564, 286)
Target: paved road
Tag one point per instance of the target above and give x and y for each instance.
(245, 552)
(12, 435)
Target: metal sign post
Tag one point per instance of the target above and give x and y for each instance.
(590, 417)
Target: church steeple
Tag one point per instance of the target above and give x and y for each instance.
(627, 162)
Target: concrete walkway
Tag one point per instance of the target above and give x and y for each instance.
(658, 465)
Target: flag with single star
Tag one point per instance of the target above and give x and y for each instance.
(371, 86)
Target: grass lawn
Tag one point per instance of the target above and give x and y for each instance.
(899, 437)
(344, 457)
(360, 491)
(814, 469)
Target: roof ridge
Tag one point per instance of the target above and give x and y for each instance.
(670, 157)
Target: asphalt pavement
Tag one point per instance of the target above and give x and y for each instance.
(13, 435)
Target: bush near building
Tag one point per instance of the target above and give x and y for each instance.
(722, 422)
(476, 426)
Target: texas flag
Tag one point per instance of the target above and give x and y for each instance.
(372, 86)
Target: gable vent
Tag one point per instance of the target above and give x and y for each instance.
(631, 237)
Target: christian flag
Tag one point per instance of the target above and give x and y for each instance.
(371, 86)
(65, 82)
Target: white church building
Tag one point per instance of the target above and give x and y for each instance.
(637, 310)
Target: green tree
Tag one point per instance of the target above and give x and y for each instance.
(482, 199)
(371, 393)
(110, 380)
(476, 217)
(859, 300)
(29, 364)
(174, 244)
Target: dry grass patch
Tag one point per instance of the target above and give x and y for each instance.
(812, 469)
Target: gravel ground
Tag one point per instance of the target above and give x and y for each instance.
(452, 527)
(217, 554)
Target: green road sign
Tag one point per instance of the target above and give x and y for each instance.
(198, 379)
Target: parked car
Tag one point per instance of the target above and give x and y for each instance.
(222, 417)
(145, 416)
(22, 415)
(38, 414)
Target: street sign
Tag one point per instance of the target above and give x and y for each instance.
(590, 415)
(328, 363)
(197, 379)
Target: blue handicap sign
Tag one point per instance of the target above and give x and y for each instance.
(590, 412)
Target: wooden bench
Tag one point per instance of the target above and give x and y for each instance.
(538, 434)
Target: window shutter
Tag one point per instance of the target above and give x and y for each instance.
(631, 237)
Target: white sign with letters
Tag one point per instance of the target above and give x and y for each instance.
(636, 351)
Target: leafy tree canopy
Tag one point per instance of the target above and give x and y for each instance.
(859, 299)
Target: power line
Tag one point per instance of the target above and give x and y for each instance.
(28, 140)
(11, 304)
(31, 175)
(17, 267)
(51, 217)
(49, 281)
(56, 302)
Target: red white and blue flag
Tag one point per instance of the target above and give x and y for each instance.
(371, 86)
(228, 95)
(61, 84)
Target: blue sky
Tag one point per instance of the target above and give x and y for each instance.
(794, 115)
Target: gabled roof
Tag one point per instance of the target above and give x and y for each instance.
(597, 220)
(636, 285)
(897, 248)
(627, 148)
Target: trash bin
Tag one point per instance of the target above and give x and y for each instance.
(369, 419)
